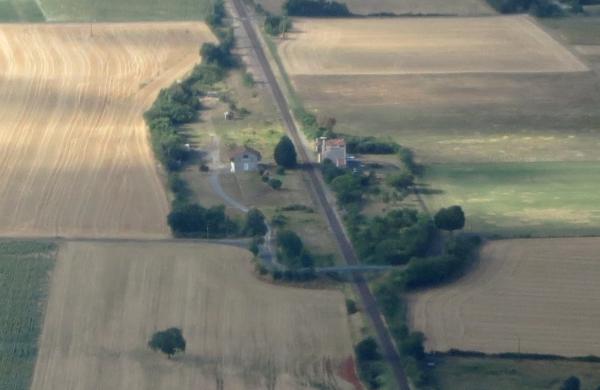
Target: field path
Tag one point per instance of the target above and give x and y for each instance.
(74, 156)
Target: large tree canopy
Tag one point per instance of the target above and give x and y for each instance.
(451, 218)
(168, 341)
(285, 153)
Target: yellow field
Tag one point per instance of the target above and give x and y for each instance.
(106, 300)
(533, 296)
(423, 46)
(75, 160)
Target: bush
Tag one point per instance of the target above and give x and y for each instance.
(330, 171)
(400, 180)
(412, 345)
(275, 184)
(572, 383)
(315, 8)
(280, 170)
(206, 74)
(248, 80)
(351, 307)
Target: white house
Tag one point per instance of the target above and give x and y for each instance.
(244, 159)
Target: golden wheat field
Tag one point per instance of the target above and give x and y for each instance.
(423, 46)
(530, 295)
(106, 300)
(74, 156)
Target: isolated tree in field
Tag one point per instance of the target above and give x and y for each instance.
(168, 341)
(572, 383)
(451, 218)
(255, 223)
(285, 153)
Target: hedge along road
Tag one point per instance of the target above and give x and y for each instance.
(360, 285)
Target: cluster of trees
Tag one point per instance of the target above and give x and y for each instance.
(325, 8)
(370, 145)
(291, 251)
(369, 362)
(540, 8)
(349, 187)
(394, 238)
(174, 106)
(193, 220)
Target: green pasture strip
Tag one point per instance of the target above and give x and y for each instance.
(121, 11)
(584, 30)
(24, 278)
(474, 373)
(20, 11)
(520, 199)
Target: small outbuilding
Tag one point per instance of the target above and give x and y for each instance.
(331, 149)
(244, 159)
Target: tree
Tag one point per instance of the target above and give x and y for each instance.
(367, 350)
(168, 341)
(255, 223)
(275, 184)
(451, 218)
(285, 153)
(572, 383)
(400, 180)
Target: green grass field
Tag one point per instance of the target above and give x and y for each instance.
(24, 278)
(459, 373)
(20, 11)
(516, 199)
(129, 10)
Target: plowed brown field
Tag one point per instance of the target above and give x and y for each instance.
(533, 296)
(106, 300)
(74, 156)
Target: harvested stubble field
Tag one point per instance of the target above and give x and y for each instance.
(75, 160)
(512, 44)
(404, 7)
(107, 299)
(533, 296)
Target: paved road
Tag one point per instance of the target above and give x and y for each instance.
(362, 289)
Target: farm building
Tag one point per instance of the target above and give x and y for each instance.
(244, 159)
(332, 149)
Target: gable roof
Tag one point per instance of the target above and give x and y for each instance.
(336, 142)
(241, 150)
